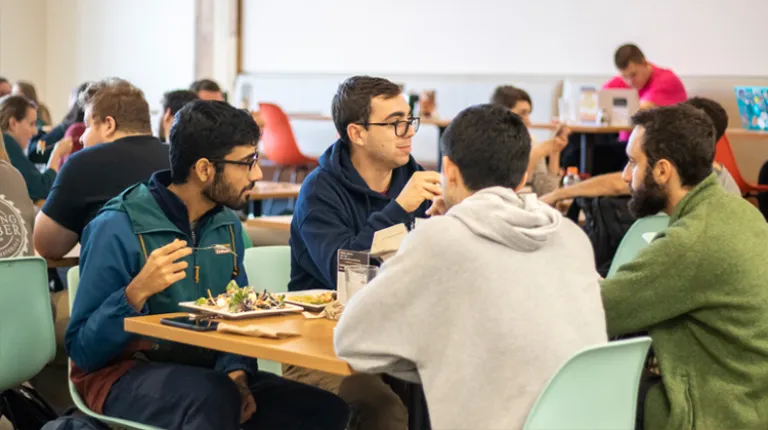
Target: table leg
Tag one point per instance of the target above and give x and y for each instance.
(587, 152)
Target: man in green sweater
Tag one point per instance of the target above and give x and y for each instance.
(699, 289)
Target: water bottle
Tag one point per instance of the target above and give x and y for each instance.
(571, 176)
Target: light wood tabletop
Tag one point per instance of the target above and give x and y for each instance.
(274, 222)
(585, 128)
(264, 190)
(313, 349)
(71, 259)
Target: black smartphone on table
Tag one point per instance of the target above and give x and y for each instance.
(191, 323)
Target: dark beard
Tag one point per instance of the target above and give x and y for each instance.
(648, 200)
(222, 193)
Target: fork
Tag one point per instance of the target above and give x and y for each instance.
(222, 248)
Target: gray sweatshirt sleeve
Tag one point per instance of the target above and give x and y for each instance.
(383, 327)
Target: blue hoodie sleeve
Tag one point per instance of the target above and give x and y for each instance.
(109, 259)
(324, 230)
(228, 363)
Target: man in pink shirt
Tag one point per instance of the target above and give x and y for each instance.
(655, 85)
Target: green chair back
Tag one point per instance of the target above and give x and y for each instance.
(73, 279)
(27, 339)
(269, 268)
(595, 390)
(638, 237)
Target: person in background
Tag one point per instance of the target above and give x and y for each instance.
(613, 184)
(173, 101)
(540, 320)
(698, 289)
(18, 122)
(26, 89)
(119, 152)
(5, 87)
(138, 259)
(39, 149)
(207, 89)
(656, 86)
(544, 167)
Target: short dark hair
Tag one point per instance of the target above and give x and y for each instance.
(490, 145)
(204, 85)
(626, 54)
(4, 80)
(714, 111)
(508, 96)
(207, 129)
(352, 102)
(121, 100)
(15, 107)
(175, 100)
(681, 134)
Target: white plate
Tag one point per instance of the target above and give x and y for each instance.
(240, 315)
(307, 306)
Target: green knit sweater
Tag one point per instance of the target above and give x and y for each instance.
(701, 291)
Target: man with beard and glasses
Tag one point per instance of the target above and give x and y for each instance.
(149, 249)
(699, 288)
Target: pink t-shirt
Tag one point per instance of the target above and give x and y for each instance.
(664, 88)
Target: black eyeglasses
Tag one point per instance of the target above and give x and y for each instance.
(401, 126)
(253, 162)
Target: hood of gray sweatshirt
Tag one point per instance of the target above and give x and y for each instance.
(482, 306)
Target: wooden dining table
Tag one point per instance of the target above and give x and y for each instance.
(273, 222)
(312, 349)
(266, 190)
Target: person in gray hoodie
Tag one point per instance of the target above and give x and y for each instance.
(484, 304)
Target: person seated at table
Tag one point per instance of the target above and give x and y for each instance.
(656, 86)
(5, 87)
(41, 146)
(698, 289)
(459, 326)
(367, 181)
(173, 101)
(119, 151)
(142, 255)
(613, 184)
(17, 213)
(544, 166)
(18, 122)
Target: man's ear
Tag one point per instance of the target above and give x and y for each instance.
(356, 134)
(110, 126)
(663, 172)
(523, 182)
(167, 116)
(204, 170)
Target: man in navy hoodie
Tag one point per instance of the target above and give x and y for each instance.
(367, 181)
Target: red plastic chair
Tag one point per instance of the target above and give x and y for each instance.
(279, 144)
(724, 155)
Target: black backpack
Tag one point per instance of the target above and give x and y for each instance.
(607, 221)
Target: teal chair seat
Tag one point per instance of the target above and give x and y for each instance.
(73, 279)
(596, 389)
(268, 268)
(638, 237)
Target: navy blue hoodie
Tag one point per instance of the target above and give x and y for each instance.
(337, 210)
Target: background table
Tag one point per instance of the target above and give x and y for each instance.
(265, 190)
(276, 222)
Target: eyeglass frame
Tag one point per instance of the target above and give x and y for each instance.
(250, 164)
(409, 122)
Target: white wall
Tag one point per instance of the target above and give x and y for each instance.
(148, 42)
(22, 52)
(552, 37)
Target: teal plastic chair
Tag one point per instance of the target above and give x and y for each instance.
(269, 268)
(595, 390)
(73, 279)
(638, 237)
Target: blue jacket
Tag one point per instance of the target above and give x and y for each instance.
(115, 246)
(337, 210)
(38, 184)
